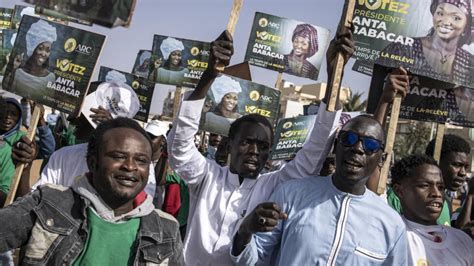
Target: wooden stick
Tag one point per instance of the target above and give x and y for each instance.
(392, 129)
(177, 100)
(440, 128)
(19, 169)
(234, 17)
(279, 82)
(339, 67)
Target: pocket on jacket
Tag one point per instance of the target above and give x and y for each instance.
(158, 253)
(369, 254)
(41, 243)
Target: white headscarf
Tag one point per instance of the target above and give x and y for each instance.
(223, 85)
(38, 33)
(30, 11)
(115, 76)
(170, 45)
(145, 55)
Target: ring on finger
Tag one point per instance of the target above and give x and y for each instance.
(18, 145)
(262, 220)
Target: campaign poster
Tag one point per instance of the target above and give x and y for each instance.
(142, 87)
(5, 18)
(178, 61)
(142, 64)
(111, 13)
(432, 40)
(429, 100)
(229, 98)
(8, 40)
(290, 135)
(52, 63)
(287, 45)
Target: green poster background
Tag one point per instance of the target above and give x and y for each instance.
(290, 135)
(143, 88)
(195, 56)
(69, 66)
(253, 98)
(271, 40)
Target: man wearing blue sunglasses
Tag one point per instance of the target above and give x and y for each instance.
(333, 220)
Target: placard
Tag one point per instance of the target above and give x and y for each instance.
(52, 63)
(142, 64)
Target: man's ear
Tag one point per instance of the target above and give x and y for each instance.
(92, 163)
(398, 189)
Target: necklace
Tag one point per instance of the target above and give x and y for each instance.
(444, 57)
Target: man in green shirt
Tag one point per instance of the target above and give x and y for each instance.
(105, 218)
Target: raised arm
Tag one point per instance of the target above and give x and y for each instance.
(397, 83)
(310, 158)
(184, 157)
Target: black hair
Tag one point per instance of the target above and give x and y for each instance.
(236, 126)
(370, 117)
(97, 137)
(466, 37)
(451, 143)
(404, 167)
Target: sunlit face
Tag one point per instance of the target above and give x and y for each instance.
(120, 170)
(300, 46)
(449, 21)
(41, 53)
(175, 58)
(454, 167)
(229, 101)
(421, 194)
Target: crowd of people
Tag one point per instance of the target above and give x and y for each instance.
(123, 194)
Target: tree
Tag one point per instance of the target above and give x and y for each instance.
(414, 141)
(355, 103)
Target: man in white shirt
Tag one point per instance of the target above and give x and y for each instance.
(220, 197)
(418, 182)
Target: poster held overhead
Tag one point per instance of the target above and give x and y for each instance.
(106, 13)
(429, 39)
(142, 64)
(286, 45)
(142, 87)
(229, 98)
(52, 63)
(177, 61)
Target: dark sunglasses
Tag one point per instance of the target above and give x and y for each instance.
(350, 138)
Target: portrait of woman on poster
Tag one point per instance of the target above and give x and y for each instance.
(32, 77)
(143, 67)
(172, 71)
(305, 45)
(226, 94)
(440, 54)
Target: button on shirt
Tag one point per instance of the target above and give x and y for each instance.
(326, 226)
(218, 203)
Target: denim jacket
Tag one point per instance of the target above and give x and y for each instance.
(50, 225)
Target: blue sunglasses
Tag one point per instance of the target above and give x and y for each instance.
(350, 138)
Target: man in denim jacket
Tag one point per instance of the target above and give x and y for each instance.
(56, 225)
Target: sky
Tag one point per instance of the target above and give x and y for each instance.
(204, 20)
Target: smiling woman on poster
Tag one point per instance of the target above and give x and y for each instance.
(439, 54)
(305, 45)
(33, 76)
(226, 94)
(172, 71)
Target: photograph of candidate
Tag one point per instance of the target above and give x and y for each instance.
(305, 45)
(440, 54)
(172, 71)
(32, 77)
(225, 91)
(143, 67)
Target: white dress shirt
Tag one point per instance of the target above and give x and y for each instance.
(218, 203)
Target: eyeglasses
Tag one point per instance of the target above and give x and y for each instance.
(350, 138)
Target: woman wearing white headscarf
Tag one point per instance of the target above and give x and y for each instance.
(34, 76)
(143, 66)
(225, 91)
(172, 71)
